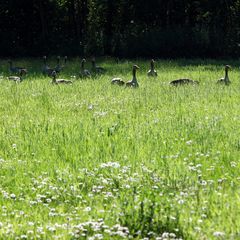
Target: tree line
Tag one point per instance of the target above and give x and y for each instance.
(123, 28)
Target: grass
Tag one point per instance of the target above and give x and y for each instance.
(96, 161)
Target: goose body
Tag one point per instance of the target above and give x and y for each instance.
(96, 68)
(183, 81)
(17, 70)
(60, 67)
(152, 72)
(84, 73)
(133, 83)
(15, 78)
(117, 81)
(225, 80)
(59, 81)
(46, 69)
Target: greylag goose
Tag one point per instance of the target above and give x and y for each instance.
(183, 81)
(84, 73)
(96, 68)
(16, 78)
(59, 81)
(46, 69)
(225, 80)
(17, 70)
(60, 67)
(133, 83)
(117, 81)
(152, 72)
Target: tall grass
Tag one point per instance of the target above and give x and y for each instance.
(96, 161)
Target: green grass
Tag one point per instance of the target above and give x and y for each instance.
(101, 161)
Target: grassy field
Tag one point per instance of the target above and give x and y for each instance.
(96, 161)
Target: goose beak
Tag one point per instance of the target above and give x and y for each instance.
(228, 67)
(136, 67)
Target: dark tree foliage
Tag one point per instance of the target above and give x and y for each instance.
(123, 28)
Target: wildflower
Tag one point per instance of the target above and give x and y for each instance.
(13, 196)
(87, 209)
(218, 234)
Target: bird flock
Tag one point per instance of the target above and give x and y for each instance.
(52, 72)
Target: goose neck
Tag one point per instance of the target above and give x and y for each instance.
(134, 73)
(82, 65)
(54, 79)
(226, 74)
(152, 66)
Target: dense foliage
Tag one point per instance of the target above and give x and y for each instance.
(132, 28)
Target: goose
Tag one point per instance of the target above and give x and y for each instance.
(225, 80)
(152, 72)
(183, 81)
(17, 70)
(84, 73)
(15, 78)
(117, 81)
(133, 83)
(59, 67)
(96, 68)
(59, 81)
(46, 69)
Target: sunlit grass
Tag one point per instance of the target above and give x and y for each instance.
(101, 161)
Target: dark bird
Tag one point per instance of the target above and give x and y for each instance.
(225, 80)
(59, 81)
(133, 83)
(97, 69)
(17, 70)
(46, 70)
(60, 67)
(183, 81)
(117, 81)
(16, 78)
(152, 72)
(84, 73)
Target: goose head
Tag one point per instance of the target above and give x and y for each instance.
(54, 74)
(227, 67)
(135, 67)
(83, 62)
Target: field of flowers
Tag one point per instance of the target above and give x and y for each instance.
(96, 161)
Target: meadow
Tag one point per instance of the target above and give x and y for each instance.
(96, 161)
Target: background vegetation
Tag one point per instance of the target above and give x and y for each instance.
(128, 28)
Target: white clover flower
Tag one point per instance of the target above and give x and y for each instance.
(13, 196)
(218, 234)
(2, 161)
(87, 209)
(110, 164)
(181, 201)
